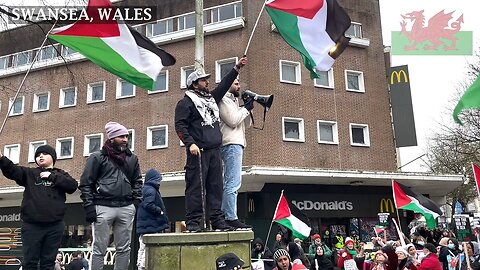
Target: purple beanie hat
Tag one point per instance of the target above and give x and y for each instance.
(114, 129)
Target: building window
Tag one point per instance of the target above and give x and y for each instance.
(359, 135)
(96, 92)
(92, 143)
(68, 97)
(290, 72)
(293, 129)
(125, 89)
(354, 81)
(64, 148)
(185, 71)
(186, 21)
(227, 12)
(160, 28)
(131, 139)
(355, 30)
(41, 102)
(47, 53)
(32, 147)
(3, 62)
(12, 152)
(157, 137)
(66, 51)
(22, 58)
(161, 84)
(17, 106)
(327, 132)
(222, 67)
(325, 79)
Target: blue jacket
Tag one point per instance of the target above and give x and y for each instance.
(151, 214)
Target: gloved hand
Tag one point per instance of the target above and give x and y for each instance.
(90, 214)
(249, 104)
(136, 203)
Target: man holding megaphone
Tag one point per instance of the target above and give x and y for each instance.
(234, 119)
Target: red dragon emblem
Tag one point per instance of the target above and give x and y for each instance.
(438, 28)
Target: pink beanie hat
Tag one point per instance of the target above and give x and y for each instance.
(114, 129)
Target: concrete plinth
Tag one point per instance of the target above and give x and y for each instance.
(186, 251)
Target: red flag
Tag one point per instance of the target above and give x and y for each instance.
(378, 229)
(476, 174)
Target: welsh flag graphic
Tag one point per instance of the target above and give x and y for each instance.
(406, 199)
(315, 28)
(297, 222)
(115, 46)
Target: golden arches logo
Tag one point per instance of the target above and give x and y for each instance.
(251, 205)
(398, 74)
(386, 205)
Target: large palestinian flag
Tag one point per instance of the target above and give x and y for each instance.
(290, 217)
(115, 46)
(406, 199)
(476, 174)
(315, 28)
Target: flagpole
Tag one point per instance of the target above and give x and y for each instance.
(475, 178)
(274, 215)
(25, 77)
(396, 208)
(253, 31)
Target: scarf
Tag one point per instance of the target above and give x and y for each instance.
(352, 252)
(116, 156)
(205, 105)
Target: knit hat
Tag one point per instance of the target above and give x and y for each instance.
(401, 250)
(316, 236)
(279, 253)
(430, 247)
(114, 129)
(408, 246)
(47, 149)
(347, 240)
(229, 261)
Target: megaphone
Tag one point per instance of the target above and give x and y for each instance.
(265, 101)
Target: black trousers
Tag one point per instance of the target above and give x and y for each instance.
(40, 243)
(211, 171)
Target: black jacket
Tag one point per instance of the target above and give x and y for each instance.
(104, 183)
(188, 121)
(43, 200)
(264, 254)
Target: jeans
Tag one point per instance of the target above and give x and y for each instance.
(41, 243)
(121, 219)
(232, 156)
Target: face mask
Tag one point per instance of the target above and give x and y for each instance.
(451, 246)
(421, 243)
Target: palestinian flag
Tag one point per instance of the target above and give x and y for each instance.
(406, 199)
(469, 100)
(115, 46)
(378, 229)
(290, 217)
(476, 174)
(315, 28)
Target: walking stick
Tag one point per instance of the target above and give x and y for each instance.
(202, 191)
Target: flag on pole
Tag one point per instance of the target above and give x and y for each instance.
(292, 218)
(476, 174)
(378, 229)
(406, 199)
(115, 46)
(469, 100)
(315, 28)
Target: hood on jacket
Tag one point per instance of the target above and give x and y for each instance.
(153, 177)
(258, 240)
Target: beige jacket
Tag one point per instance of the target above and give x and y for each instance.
(234, 119)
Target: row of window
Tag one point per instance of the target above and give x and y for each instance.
(327, 132)
(290, 72)
(157, 138)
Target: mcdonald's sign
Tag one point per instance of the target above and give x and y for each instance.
(398, 75)
(251, 206)
(386, 206)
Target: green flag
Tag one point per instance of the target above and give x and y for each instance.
(469, 100)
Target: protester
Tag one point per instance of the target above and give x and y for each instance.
(472, 257)
(349, 255)
(278, 242)
(151, 214)
(430, 261)
(320, 261)
(283, 261)
(312, 249)
(59, 262)
(448, 251)
(43, 206)
(75, 263)
(83, 260)
(229, 261)
(260, 252)
(296, 255)
(197, 123)
(234, 119)
(111, 189)
(405, 261)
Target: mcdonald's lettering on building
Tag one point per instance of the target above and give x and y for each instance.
(386, 206)
(396, 76)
